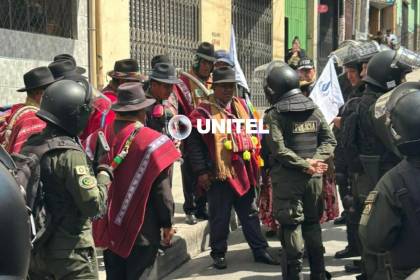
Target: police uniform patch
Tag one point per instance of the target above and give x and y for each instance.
(87, 181)
(369, 202)
(81, 170)
(305, 127)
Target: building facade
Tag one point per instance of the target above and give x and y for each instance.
(32, 33)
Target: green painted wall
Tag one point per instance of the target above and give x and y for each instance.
(296, 12)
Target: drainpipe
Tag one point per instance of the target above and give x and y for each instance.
(99, 57)
(92, 41)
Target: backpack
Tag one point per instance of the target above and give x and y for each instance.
(28, 175)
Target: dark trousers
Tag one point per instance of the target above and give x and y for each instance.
(221, 197)
(192, 203)
(132, 267)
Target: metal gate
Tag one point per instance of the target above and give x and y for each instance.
(164, 27)
(252, 21)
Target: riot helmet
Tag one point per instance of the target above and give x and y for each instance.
(15, 239)
(403, 118)
(67, 104)
(384, 73)
(279, 80)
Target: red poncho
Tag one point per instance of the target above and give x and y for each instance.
(19, 126)
(246, 172)
(149, 154)
(97, 117)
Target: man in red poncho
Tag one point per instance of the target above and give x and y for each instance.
(140, 201)
(227, 168)
(125, 70)
(190, 95)
(21, 122)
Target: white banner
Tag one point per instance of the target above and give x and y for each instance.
(327, 92)
(240, 77)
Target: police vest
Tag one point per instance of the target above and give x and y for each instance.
(300, 131)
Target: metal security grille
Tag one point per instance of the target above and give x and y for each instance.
(52, 17)
(164, 27)
(252, 21)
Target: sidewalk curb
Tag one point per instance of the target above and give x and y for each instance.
(189, 241)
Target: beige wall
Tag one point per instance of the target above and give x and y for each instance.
(216, 21)
(113, 28)
(278, 29)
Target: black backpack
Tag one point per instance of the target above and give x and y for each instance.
(28, 175)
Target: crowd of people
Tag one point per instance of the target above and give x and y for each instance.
(96, 168)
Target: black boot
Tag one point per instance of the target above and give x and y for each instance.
(347, 253)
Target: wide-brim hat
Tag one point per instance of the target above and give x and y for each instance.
(223, 56)
(224, 74)
(64, 69)
(206, 51)
(65, 56)
(38, 78)
(131, 97)
(164, 73)
(127, 69)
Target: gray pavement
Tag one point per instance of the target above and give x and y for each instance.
(241, 265)
(192, 240)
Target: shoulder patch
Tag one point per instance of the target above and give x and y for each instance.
(370, 200)
(81, 170)
(305, 127)
(87, 182)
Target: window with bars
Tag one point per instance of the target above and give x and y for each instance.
(252, 21)
(51, 17)
(164, 27)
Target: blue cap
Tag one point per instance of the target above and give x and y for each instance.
(223, 56)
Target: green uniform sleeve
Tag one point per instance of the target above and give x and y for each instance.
(380, 221)
(88, 192)
(276, 145)
(326, 139)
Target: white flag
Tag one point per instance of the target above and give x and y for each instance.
(327, 92)
(240, 77)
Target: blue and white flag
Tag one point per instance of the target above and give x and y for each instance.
(240, 77)
(327, 92)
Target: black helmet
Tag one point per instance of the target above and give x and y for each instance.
(404, 118)
(15, 240)
(383, 73)
(280, 79)
(67, 104)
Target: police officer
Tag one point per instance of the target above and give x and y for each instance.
(374, 158)
(391, 219)
(72, 194)
(15, 246)
(344, 169)
(299, 140)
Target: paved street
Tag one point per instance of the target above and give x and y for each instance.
(241, 265)
(239, 257)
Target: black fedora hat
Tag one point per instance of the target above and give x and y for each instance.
(127, 69)
(131, 97)
(160, 58)
(164, 73)
(64, 69)
(37, 78)
(206, 50)
(66, 56)
(224, 74)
